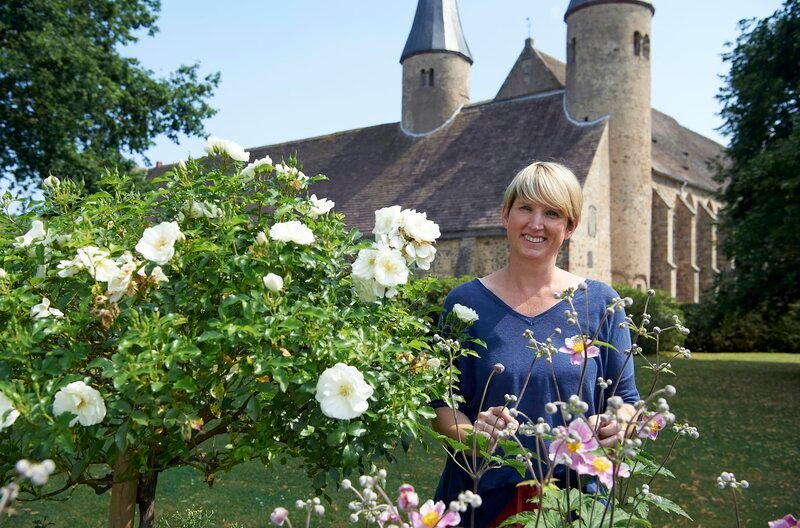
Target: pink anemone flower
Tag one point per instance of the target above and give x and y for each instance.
(574, 442)
(407, 497)
(787, 522)
(651, 427)
(603, 468)
(430, 515)
(579, 347)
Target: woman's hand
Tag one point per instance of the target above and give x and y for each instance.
(611, 433)
(493, 422)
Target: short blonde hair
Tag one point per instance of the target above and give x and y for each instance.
(547, 183)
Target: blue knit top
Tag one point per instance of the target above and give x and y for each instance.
(502, 329)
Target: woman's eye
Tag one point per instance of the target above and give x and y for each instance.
(553, 214)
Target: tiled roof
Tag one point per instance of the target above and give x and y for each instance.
(457, 174)
(683, 155)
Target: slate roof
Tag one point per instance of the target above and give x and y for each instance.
(457, 174)
(436, 27)
(683, 155)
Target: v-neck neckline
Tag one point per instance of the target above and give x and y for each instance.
(528, 318)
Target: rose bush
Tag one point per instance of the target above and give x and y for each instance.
(192, 324)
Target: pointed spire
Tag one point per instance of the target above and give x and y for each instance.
(437, 27)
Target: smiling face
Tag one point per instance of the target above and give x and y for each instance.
(534, 230)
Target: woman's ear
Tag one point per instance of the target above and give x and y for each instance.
(572, 225)
(505, 218)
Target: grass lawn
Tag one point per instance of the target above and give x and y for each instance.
(743, 404)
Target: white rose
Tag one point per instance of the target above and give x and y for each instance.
(342, 392)
(250, 170)
(192, 209)
(43, 309)
(433, 363)
(158, 275)
(468, 315)
(390, 268)
(273, 282)
(423, 254)
(368, 290)
(36, 232)
(418, 227)
(104, 270)
(216, 145)
(158, 243)
(319, 206)
(364, 266)
(261, 239)
(387, 220)
(3, 274)
(292, 231)
(8, 414)
(81, 400)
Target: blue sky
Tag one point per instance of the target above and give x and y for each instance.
(299, 68)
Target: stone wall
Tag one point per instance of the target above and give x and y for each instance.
(426, 106)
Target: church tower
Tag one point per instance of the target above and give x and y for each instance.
(608, 74)
(436, 66)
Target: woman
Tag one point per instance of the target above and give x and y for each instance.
(541, 209)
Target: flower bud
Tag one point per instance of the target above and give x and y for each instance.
(51, 182)
(279, 516)
(273, 282)
(499, 368)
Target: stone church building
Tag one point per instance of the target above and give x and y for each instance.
(649, 216)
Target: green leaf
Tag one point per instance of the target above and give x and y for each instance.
(186, 383)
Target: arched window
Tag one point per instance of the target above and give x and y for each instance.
(571, 50)
(591, 223)
(637, 43)
(426, 77)
(646, 47)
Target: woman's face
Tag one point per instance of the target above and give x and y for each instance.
(534, 230)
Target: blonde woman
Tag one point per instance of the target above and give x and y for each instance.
(541, 210)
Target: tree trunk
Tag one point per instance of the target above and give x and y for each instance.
(146, 499)
(123, 495)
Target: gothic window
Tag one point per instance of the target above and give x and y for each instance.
(637, 43)
(646, 47)
(430, 77)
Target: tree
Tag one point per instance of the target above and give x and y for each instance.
(762, 193)
(71, 105)
(145, 331)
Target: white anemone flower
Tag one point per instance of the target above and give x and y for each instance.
(319, 206)
(292, 231)
(8, 414)
(468, 315)
(34, 234)
(390, 267)
(250, 170)
(215, 145)
(273, 282)
(418, 227)
(83, 401)
(158, 243)
(158, 275)
(342, 392)
(43, 309)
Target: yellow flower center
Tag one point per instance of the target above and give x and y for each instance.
(578, 346)
(654, 426)
(574, 446)
(601, 464)
(430, 518)
(344, 390)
